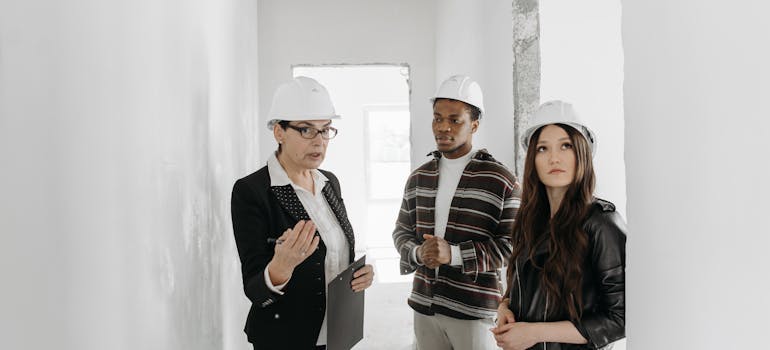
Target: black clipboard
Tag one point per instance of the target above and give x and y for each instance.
(344, 310)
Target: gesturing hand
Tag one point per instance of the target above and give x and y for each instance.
(291, 249)
(435, 251)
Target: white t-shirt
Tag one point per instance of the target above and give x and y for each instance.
(449, 173)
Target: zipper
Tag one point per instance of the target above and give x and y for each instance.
(518, 281)
(545, 317)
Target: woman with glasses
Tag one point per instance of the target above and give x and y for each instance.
(566, 277)
(291, 226)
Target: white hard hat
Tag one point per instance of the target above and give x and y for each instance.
(461, 88)
(557, 112)
(302, 98)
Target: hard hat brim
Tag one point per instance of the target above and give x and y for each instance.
(271, 123)
(587, 133)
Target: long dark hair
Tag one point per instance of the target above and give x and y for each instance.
(562, 234)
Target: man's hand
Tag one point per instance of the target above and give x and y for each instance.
(435, 251)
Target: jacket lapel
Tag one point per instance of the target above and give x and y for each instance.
(290, 202)
(338, 207)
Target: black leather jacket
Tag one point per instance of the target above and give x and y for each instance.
(603, 319)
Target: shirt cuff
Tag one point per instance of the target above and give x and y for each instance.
(275, 289)
(414, 256)
(457, 257)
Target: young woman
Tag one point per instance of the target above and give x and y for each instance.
(566, 277)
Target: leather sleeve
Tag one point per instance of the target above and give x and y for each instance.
(606, 323)
(250, 228)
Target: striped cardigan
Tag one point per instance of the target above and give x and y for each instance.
(480, 222)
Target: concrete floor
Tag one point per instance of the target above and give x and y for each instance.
(388, 319)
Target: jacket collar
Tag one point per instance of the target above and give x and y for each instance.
(481, 154)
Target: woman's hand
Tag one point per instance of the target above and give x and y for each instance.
(516, 335)
(362, 278)
(504, 314)
(291, 249)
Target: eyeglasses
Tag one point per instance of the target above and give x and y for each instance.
(327, 133)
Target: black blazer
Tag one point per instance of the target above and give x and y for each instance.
(259, 212)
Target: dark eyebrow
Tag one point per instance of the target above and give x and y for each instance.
(455, 115)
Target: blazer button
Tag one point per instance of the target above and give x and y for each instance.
(318, 279)
(277, 316)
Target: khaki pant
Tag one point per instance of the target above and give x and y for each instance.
(439, 332)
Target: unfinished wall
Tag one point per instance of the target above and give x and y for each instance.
(475, 38)
(122, 127)
(695, 90)
(582, 62)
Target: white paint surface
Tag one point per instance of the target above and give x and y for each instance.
(122, 128)
(696, 92)
(476, 38)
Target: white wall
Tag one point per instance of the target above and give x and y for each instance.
(122, 128)
(476, 38)
(696, 91)
(582, 62)
(347, 31)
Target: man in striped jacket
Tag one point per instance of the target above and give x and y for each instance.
(454, 227)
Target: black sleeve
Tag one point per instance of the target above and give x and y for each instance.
(250, 227)
(608, 258)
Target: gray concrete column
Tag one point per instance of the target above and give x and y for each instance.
(526, 69)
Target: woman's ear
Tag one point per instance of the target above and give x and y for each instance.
(278, 133)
